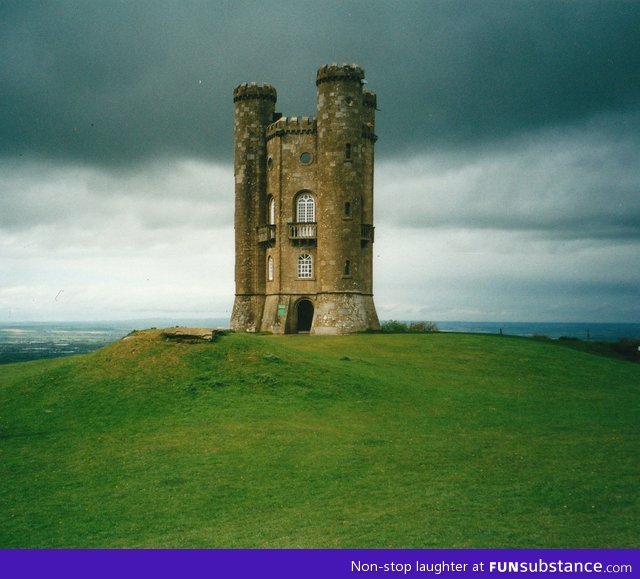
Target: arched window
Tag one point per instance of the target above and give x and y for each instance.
(269, 268)
(347, 151)
(305, 208)
(305, 266)
(271, 211)
(347, 267)
(347, 209)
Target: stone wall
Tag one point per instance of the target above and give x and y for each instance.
(329, 157)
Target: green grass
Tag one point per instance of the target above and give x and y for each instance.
(363, 441)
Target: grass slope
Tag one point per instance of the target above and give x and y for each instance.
(437, 440)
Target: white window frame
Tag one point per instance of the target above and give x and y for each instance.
(305, 266)
(305, 208)
(271, 211)
(269, 268)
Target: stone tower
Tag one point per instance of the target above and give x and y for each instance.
(304, 209)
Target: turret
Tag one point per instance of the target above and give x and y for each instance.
(345, 186)
(368, 141)
(254, 111)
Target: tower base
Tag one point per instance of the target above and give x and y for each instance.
(246, 315)
(344, 313)
(326, 314)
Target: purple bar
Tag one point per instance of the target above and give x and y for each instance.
(312, 564)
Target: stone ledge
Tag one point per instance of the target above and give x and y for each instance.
(183, 334)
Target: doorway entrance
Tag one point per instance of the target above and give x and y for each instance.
(304, 311)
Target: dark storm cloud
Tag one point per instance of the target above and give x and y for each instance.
(58, 200)
(561, 184)
(112, 82)
(507, 181)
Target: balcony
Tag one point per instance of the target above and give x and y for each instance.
(266, 233)
(366, 233)
(303, 233)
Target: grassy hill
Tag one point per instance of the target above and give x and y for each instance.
(433, 440)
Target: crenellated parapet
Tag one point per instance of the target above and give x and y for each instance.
(253, 90)
(292, 126)
(335, 72)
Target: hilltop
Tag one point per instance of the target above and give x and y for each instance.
(427, 440)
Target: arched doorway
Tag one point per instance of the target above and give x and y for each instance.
(304, 311)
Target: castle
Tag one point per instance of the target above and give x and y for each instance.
(304, 209)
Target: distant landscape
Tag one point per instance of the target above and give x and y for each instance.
(25, 341)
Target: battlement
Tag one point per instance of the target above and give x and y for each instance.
(253, 90)
(369, 99)
(292, 126)
(333, 72)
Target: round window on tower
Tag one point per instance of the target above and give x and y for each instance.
(306, 158)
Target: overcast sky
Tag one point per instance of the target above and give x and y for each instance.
(507, 166)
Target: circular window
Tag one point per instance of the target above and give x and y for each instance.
(306, 158)
(269, 163)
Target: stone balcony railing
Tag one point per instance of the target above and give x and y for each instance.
(266, 233)
(366, 232)
(302, 231)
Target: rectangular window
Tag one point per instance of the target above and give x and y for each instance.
(305, 266)
(270, 268)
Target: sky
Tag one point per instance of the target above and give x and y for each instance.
(507, 180)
